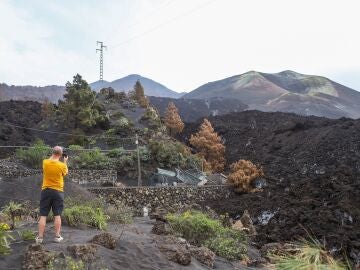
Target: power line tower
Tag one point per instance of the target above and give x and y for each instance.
(101, 49)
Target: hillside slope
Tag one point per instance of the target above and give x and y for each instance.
(287, 91)
(312, 168)
(191, 110)
(33, 93)
(127, 83)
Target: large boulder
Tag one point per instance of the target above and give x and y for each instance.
(104, 239)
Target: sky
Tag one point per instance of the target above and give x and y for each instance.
(179, 43)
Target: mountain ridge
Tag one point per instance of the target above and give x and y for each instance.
(151, 87)
(285, 91)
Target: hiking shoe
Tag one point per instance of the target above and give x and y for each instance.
(38, 240)
(58, 239)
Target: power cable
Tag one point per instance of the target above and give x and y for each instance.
(70, 134)
(146, 16)
(75, 150)
(162, 24)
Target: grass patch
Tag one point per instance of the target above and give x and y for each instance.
(27, 235)
(308, 255)
(120, 213)
(199, 229)
(5, 238)
(86, 215)
(66, 264)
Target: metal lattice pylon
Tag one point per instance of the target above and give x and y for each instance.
(101, 50)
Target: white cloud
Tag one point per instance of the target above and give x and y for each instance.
(181, 44)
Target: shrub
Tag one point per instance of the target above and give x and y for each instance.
(67, 264)
(122, 123)
(5, 239)
(27, 235)
(152, 117)
(227, 247)
(91, 159)
(307, 255)
(199, 229)
(34, 156)
(116, 152)
(243, 173)
(12, 211)
(86, 215)
(170, 154)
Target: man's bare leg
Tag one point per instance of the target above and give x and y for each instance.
(42, 224)
(57, 225)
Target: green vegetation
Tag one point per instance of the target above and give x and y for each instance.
(169, 154)
(152, 117)
(80, 109)
(90, 159)
(5, 239)
(307, 255)
(12, 211)
(199, 230)
(66, 264)
(86, 215)
(34, 156)
(27, 235)
(119, 213)
(227, 247)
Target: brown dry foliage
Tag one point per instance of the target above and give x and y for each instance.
(243, 173)
(47, 109)
(173, 120)
(209, 146)
(140, 95)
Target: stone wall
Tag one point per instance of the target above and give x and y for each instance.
(87, 177)
(92, 177)
(166, 197)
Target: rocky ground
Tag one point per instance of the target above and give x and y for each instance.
(312, 168)
(122, 247)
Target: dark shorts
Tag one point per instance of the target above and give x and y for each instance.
(51, 199)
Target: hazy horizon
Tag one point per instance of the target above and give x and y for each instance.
(180, 44)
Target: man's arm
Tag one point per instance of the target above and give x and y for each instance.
(65, 168)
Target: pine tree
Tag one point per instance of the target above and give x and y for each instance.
(209, 146)
(140, 95)
(173, 120)
(80, 107)
(47, 109)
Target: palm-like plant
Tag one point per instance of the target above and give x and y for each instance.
(13, 210)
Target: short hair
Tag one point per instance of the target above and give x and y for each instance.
(57, 150)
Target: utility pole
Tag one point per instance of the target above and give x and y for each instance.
(138, 158)
(101, 49)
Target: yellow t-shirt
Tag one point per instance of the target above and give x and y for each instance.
(54, 172)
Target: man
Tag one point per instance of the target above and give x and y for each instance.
(52, 193)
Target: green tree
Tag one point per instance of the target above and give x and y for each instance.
(80, 107)
(140, 95)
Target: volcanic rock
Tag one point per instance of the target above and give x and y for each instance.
(104, 239)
